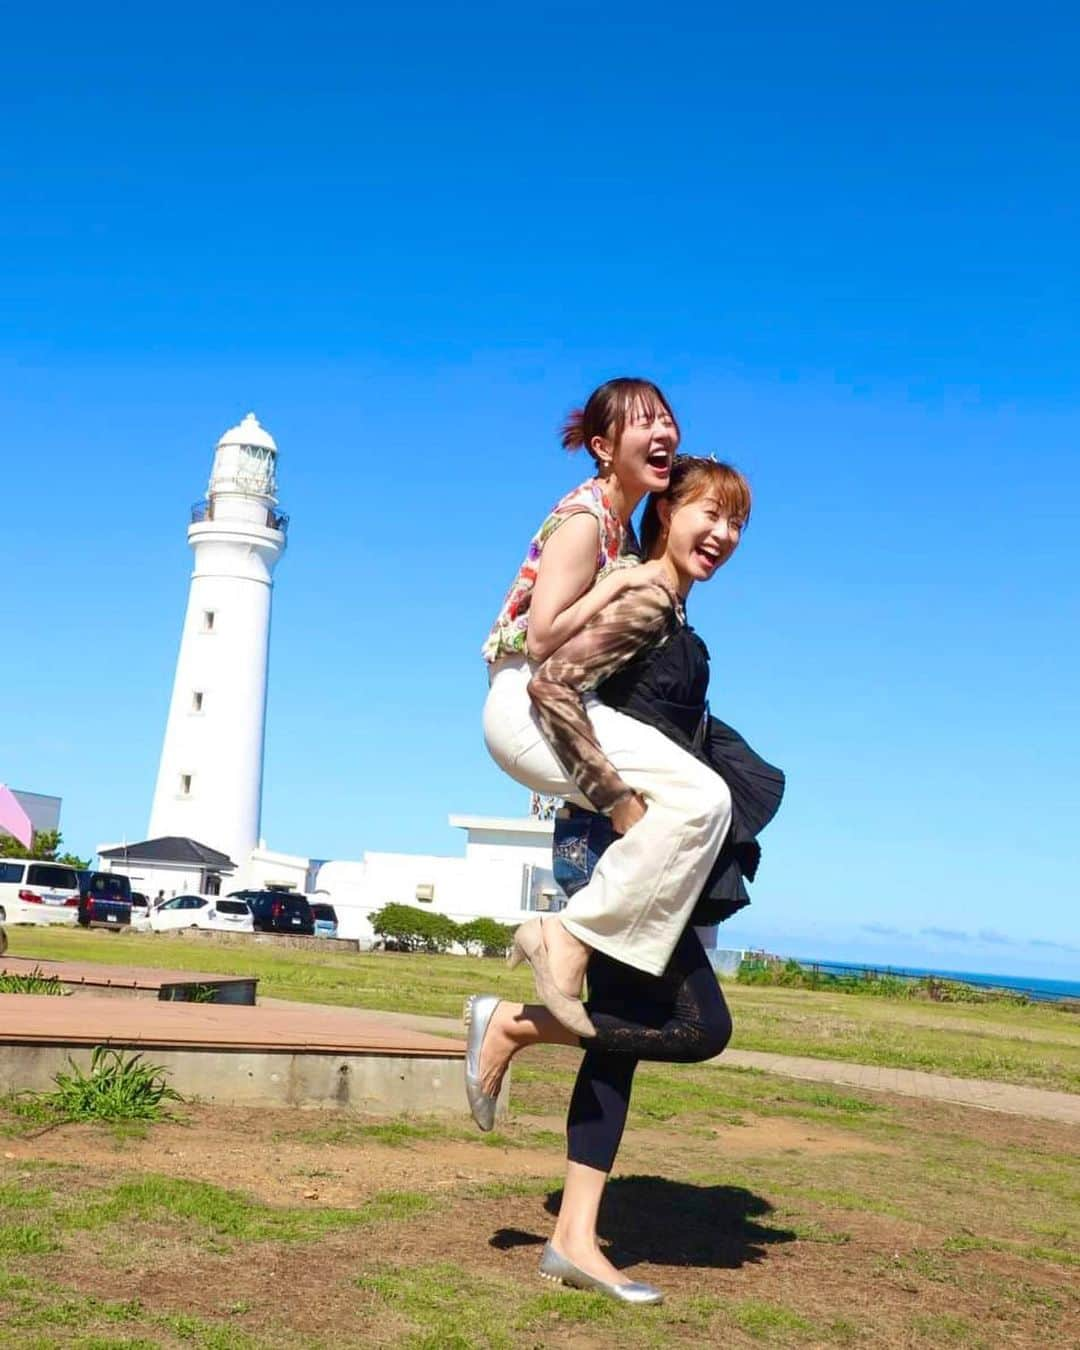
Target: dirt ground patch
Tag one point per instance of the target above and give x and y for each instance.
(769, 1212)
(256, 1151)
(242, 1149)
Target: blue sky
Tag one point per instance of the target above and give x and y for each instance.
(844, 243)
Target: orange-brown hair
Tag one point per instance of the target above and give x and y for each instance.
(607, 409)
(693, 477)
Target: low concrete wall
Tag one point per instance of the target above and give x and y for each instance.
(382, 1084)
(307, 944)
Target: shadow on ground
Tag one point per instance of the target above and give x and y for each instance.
(673, 1223)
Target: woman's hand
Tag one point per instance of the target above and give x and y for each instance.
(627, 812)
(643, 574)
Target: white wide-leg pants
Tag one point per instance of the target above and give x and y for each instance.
(646, 884)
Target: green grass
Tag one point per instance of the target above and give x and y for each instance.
(445, 1308)
(213, 1213)
(442, 1307)
(1036, 1045)
(769, 1321)
(40, 1314)
(395, 981)
(210, 1216)
(705, 1097)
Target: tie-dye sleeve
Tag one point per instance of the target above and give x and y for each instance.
(635, 620)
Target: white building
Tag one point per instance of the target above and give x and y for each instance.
(170, 866)
(209, 783)
(504, 875)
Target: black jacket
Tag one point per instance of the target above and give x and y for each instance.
(666, 687)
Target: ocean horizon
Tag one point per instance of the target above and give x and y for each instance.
(1037, 987)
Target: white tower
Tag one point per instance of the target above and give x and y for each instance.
(209, 784)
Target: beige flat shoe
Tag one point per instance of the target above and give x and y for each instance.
(529, 946)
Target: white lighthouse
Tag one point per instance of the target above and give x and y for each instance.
(209, 784)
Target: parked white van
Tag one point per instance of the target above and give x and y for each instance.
(38, 892)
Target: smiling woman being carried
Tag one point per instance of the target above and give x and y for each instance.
(671, 811)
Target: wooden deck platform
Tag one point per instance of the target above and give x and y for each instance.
(301, 1055)
(178, 986)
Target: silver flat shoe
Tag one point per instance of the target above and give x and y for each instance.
(561, 1271)
(478, 1012)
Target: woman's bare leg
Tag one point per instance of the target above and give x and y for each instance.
(575, 1229)
(514, 1026)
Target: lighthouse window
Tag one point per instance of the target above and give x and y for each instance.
(185, 785)
(196, 700)
(208, 620)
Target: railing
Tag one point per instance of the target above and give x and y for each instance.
(204, 510)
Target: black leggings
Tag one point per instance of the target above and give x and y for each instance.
(679, 1017)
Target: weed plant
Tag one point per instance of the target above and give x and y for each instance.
(33, 982)
(118, 1087)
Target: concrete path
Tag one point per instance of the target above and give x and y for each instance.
(1020, 1101)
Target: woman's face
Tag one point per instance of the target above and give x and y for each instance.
(642, 459)
(702, 536)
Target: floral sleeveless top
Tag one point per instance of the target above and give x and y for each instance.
(617, 547)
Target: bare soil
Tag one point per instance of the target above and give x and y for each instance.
(866, 1271)
(249, 1150)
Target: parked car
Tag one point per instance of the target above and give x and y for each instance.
(222, 914)
(37, 892)
(140, 918)
(104, 900)
(278, 911)
(325, 917)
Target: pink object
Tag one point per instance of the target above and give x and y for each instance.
(14, 819)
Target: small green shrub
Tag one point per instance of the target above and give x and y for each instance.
(792, 974)
(491, 937)
(415, 930)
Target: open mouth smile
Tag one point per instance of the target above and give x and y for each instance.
(711, 557)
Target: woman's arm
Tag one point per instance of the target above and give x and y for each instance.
(564, 598)
(623, 628)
